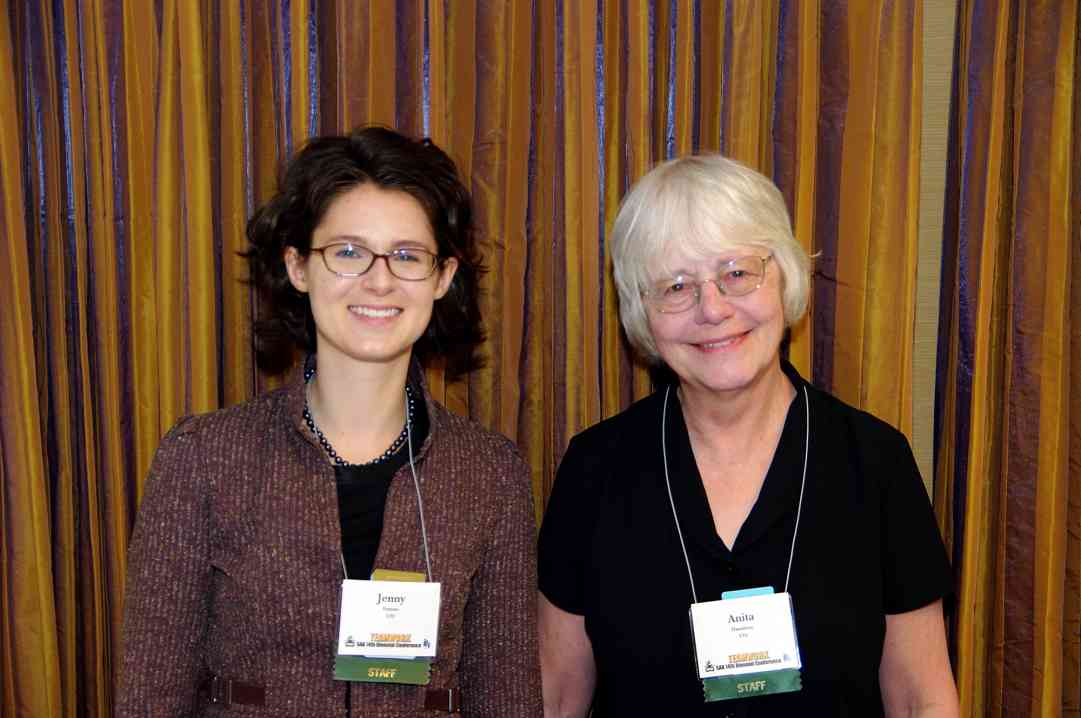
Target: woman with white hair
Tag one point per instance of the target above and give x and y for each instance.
(739, 543)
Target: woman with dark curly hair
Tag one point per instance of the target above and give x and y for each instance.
(343, 545)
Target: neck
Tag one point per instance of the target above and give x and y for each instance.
(360, 408)
(733, 417)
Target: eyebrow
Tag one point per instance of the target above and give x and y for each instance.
(720, 261)
(366, 243)
(684, 272)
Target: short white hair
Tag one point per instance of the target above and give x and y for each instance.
(703, 205)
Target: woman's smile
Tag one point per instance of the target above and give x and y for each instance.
(728, 343)
(367, 311)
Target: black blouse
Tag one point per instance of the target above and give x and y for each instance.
(868, 546)
(362, 496)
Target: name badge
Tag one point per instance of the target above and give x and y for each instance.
(746, 645)
(389, 619)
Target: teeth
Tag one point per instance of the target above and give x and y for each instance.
(376, 313)
(715, 345)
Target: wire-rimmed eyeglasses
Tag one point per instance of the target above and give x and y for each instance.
(347, 259)
(736, 278)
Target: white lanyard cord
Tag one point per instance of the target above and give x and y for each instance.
(416, 485)
(668, 484)
(420, 501)
(802, 484)
(672, 502)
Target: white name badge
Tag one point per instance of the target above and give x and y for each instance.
(389, 619)
(744, 635)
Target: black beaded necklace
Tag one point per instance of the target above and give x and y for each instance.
(309, 372)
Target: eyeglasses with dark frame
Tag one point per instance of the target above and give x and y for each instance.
(736, 278)
(347, 259)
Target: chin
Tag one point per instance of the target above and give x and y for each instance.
(728, 385)
(373, 353)
(731, 379)
(382, 357)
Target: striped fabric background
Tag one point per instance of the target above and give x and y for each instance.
(136, 138)
(1008, 485)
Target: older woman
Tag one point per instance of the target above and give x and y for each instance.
(343, 546)
(740, 543)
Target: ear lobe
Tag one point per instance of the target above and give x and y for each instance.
(446, 276)
(296, 267)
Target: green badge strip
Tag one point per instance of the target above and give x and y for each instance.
(417, 672)
(748, 685)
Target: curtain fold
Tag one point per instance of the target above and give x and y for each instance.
(31, 677)
(867, 205)
(795, 137)
(142, 136)
(500, 185)
(128, 173)
(1008, 447)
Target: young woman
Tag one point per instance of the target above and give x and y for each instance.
(255, 515)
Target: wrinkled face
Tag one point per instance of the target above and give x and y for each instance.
(374, 318)
(723, 344)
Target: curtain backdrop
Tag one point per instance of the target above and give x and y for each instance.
(1008, 485)
(136, 137)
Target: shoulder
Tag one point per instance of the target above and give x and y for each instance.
(246, 417)
(856, 427)
(638, 424)
(877, 454)
(218, 458)
(614, 455)
(242, 424)
(480, 451)
(833, 419)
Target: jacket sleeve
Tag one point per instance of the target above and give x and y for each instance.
(166, 596)
(500, 669)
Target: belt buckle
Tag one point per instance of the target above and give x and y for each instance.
(221, 691)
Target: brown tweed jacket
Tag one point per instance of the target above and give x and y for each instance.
(235, 570)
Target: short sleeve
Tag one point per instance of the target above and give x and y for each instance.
(566, 532)
(915, 567)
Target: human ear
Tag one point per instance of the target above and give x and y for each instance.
(297, 269)
(446, 275)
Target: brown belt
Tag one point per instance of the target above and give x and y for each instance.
(228, 692)
(443, 699)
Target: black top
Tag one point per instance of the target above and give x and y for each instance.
(868, 546)
(362, 496)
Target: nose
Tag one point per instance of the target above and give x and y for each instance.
(378, 277)
(713, 306)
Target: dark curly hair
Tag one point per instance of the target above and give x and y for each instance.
(321, 171)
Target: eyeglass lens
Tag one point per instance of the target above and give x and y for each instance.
(352, 260)
(738, 277)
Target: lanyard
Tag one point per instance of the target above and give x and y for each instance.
(420, 501)
(672, 501)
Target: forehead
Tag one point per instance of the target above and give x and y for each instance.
(368, 212)
(687, 256)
